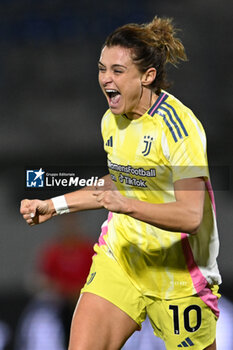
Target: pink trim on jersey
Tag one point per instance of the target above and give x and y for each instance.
(198, 279)
(210, 300)
(104, 231)
(211, 194)
(110, 215)
(158, 103)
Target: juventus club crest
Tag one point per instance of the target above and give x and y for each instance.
(147, 145)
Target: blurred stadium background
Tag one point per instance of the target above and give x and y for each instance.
(51, 107)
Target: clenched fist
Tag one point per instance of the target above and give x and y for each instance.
(113, 200)
(36, 211)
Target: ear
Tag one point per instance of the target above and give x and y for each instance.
(149, 76)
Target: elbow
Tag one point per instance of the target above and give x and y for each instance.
(193, 230)
(195, 220)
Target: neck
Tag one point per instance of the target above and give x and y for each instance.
(147, 99)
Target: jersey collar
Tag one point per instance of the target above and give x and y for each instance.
(162, 97)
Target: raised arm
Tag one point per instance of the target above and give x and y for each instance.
(37, 211)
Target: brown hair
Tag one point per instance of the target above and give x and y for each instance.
(153, 45)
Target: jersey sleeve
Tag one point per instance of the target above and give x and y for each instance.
(184, 146)
(105, 129)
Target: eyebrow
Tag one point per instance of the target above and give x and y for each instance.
(114, 65)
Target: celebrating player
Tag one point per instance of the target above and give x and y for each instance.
(157, 252)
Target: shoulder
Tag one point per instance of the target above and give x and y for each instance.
(177, 120)
(112, 122)
(108, 119)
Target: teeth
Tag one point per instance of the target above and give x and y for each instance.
(112, 93)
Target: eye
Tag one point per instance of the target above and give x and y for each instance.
(118, 71)
(101, 69)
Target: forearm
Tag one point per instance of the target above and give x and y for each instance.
(175, 216)
(182, 215)
(37, 211)
(83, 199)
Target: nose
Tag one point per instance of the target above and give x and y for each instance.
(105, 78)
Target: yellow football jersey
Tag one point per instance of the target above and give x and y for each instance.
(145, 157)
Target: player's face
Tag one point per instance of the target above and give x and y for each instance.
(120, 80)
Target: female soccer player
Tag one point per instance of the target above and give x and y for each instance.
(157, 252)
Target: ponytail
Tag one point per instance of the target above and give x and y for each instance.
(164, 37)
(152, 44)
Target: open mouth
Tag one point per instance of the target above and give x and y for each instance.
(114, 97)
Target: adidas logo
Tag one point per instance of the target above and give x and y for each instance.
(92, 276)
(186, 343)
(109, 141)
